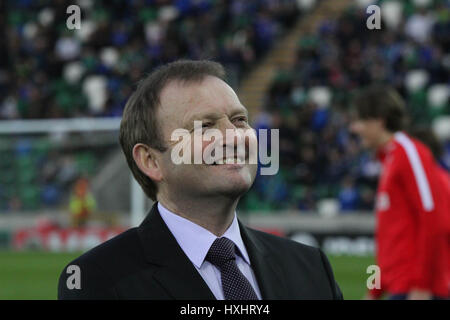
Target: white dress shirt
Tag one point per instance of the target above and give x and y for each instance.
(196, 241)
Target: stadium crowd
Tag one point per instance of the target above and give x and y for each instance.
(310, 101)
(48, 71)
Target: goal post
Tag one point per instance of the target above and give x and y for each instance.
(85, 141)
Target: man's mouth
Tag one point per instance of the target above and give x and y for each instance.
(231, 160)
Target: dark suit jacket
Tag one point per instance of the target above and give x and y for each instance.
(147, 263)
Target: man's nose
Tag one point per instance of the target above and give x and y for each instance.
(231, 135)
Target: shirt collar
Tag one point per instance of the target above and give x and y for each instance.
(195, 240)
(387, 148)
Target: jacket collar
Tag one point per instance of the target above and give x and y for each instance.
(175, 271)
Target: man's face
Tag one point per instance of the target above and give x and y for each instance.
(215, 104)
(369, 130)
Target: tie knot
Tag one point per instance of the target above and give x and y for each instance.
(221, 251)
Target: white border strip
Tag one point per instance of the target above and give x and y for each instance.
(419, 172)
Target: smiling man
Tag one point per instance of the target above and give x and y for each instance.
(191, 245)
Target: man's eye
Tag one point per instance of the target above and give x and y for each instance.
(241, 119)
(206, 125)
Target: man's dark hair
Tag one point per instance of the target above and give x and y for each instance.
(139, 122)
(381, 102)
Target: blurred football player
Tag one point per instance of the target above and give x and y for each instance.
(426, 136)
(411, 231)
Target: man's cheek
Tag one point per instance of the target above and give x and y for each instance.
(251, 147)
(197, 147)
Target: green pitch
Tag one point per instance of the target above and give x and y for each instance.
(34, 275)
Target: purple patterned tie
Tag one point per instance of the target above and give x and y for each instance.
(235, 285)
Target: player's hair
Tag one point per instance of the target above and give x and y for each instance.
(139, 122)
(381, 102)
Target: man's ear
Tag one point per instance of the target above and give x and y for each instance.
(145, 159)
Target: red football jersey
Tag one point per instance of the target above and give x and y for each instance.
(445, 181)
(412, 220)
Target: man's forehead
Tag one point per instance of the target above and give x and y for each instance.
(209, 96)
(176, 92)
(190, 91)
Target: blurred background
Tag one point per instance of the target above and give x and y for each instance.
(295, 64)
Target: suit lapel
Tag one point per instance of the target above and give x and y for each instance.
(175, 271)
(270, 278)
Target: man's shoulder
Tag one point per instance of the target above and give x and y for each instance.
(281, 245)
(114, 256)
(408, 149)
(112, 250)
(296, 258)
(100, 268)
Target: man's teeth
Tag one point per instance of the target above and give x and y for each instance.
(230, 161)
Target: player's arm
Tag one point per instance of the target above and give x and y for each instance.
(415, 176)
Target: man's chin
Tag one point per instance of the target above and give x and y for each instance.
(232, 188)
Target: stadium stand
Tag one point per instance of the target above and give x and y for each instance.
(64, 73)
(48, 71)
(309, 101)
